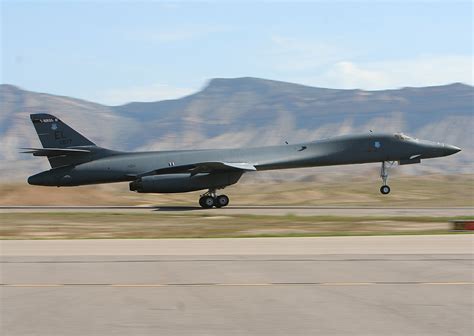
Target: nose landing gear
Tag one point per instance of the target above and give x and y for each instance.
(210, 199)
(385, 189)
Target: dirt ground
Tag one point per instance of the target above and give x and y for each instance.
(429, 190)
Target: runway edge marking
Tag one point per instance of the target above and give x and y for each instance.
(137, 285)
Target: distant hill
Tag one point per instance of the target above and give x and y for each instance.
(245, 112)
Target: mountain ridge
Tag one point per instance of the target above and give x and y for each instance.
(245, 111)
(217, 82)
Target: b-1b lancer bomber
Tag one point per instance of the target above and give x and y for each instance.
(75, 160)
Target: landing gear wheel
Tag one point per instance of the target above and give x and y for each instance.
(385, 189)
(206, 202)
(221, 201)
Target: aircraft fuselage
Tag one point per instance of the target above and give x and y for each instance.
(115, 166)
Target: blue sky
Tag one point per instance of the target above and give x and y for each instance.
(114, 52)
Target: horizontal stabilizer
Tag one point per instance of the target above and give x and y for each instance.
(52, 152)
(202, 167)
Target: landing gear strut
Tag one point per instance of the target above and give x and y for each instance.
(385, 189)
(210, 199)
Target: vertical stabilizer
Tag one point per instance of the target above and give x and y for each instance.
(53, 133)
(59, 142)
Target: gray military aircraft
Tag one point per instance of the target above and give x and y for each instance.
(75, 160)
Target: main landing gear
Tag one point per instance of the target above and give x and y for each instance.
(385, 189)
(210, 199)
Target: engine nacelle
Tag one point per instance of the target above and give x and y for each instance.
(175, 183)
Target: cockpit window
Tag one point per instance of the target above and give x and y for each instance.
(401, 136)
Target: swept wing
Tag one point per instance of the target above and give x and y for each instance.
(202, 167)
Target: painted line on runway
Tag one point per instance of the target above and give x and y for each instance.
(33, 285)
(247, 284)
(206, 284)
(348, 283)
(228, 260)
(448, 283)
(138, 285)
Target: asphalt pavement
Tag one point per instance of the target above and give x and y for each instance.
(390, 285)
(258, 210)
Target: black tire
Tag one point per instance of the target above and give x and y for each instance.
(222, 201)
(206, 202)
(385, 189)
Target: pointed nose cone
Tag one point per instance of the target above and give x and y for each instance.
(450, 150)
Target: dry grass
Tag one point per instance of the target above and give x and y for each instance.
(431, 190)
(136, 225)
(411, 191)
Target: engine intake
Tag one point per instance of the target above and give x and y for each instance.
(409, 161)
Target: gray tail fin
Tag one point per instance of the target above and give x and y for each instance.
(53, 133)
(60, 142)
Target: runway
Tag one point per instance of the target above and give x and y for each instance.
(391, 285)
(258, 210)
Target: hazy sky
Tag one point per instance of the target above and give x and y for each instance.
(114, 52)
